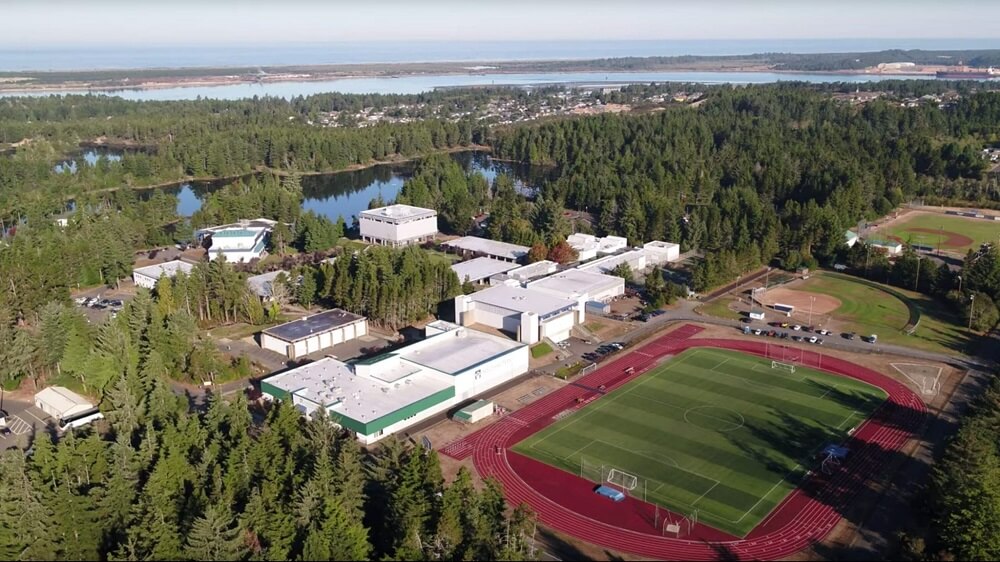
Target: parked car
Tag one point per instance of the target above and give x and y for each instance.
(823, 332)
(80, 300)
(797, 338)
(813, 339)
(819, 341)
(784, 335)
(784, 324)
(850, 335)
(796, 327)
(757, 332)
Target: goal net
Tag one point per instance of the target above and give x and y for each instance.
(624, 480)
(783, 366)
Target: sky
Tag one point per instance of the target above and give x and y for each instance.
(38, 23)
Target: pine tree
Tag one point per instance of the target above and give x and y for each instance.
(215, 536)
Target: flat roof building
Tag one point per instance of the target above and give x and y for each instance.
(636, 259)
(527, 314)
(377, 397)
(148, 276)
(476, 246)
(534, 270)
(313, 333)
(242, 241)
(589, 246)
(659, 252)
(576, 285)
(398, 225)
(262, 284)
(478, 270)
(61, 402)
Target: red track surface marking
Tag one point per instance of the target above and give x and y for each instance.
(563, 501)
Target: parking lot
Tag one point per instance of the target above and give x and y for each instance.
(23, 419)
(799, 333)
(100, 302)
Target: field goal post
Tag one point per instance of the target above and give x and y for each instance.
(790, 367)
(680, 525)
(627, 482)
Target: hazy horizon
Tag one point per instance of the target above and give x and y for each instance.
(41, 24)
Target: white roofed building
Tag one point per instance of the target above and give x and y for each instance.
(527, 314)
(262, 284)
(380, 396)
(576, 285)
(635, 259)
(478, 270)
(472, 246)
(238, 242)
(61, 402)
(659, 252)
(398, 225)
(589, 247)
(148, 276)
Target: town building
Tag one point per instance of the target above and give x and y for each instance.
(474, 246)
(313, 333)
(478, 270)
(398, 225)
(589, 247)
(659, 252)
(148, 276)
(238, 242)
(581, 286)
(531, 271)
(890, 247)
(529, 315)
(61, 402)
(850, 238)
(377, 397)
(635, 259)
(262, 284)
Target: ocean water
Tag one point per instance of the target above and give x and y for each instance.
(174, 56)
(416, 84)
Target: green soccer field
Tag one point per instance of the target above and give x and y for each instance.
(716, 431)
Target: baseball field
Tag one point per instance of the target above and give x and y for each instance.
(952, 233)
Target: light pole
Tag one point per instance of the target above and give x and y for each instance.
(972, 303)
(940, 228)
(959, 284)
(811, 301)
(916, 281)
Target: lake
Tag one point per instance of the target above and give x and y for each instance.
(348, 193)
(423, 83)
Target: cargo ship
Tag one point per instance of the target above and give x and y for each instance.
(968, 74)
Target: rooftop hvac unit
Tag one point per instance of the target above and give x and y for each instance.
(408, 381)
(385, 389)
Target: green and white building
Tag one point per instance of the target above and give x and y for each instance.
(380, 396)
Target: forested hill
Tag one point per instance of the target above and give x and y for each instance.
(760, 172)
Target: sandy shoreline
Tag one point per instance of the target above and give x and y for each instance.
(20, 85)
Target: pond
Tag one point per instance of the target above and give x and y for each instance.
(345, 194)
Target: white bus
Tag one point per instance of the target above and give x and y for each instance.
(79, 420)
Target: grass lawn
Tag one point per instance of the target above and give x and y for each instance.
(978, 230)
(594, 326)
(720, 308)
(541, 350)
(713, 430)
(867, 310)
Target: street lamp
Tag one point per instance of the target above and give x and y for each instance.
(972, 302)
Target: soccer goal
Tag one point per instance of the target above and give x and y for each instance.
(622, 479)
(783, 366)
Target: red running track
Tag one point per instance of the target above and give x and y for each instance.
(563, 501)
